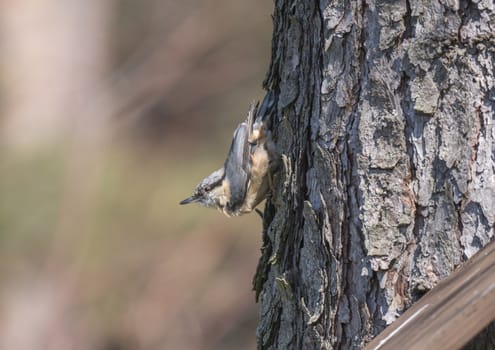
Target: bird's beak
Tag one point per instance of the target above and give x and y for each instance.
(188, 200)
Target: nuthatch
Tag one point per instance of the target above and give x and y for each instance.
(246, 176)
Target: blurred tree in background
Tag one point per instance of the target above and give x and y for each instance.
(111, 111)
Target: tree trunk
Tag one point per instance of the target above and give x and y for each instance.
(385, 126)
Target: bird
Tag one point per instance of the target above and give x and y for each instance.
(246, 176)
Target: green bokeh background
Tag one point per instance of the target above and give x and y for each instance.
(95, 252)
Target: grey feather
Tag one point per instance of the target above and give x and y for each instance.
(237, 166)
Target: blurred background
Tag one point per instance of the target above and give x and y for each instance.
(110, 113)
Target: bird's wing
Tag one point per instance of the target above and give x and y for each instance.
(237, 166)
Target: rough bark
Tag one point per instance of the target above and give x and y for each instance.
(459, 308)
(385, 126)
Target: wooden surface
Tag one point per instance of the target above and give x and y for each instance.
(449, 315)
